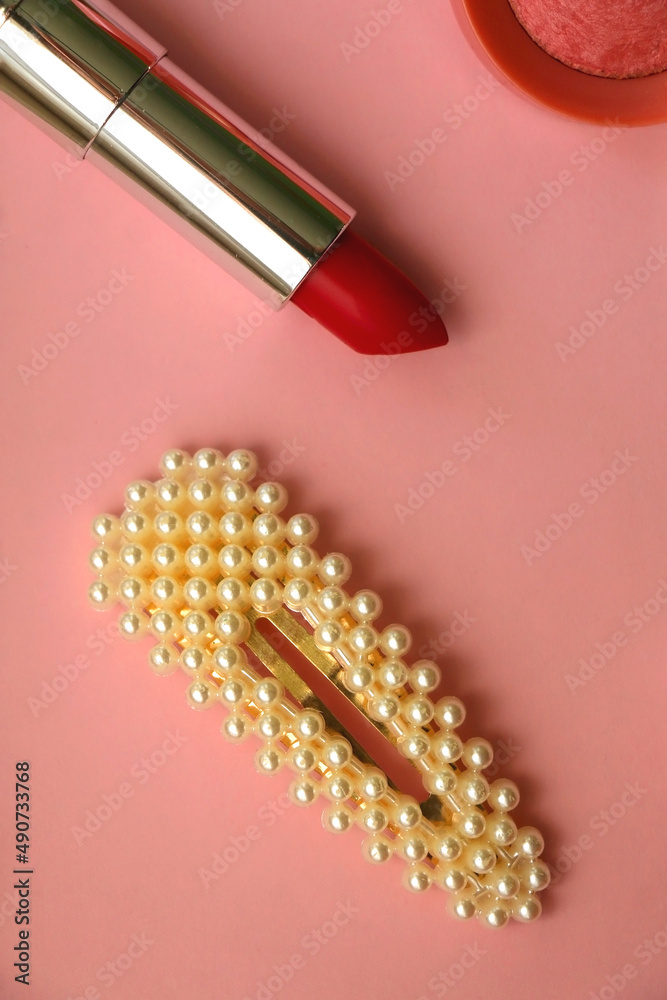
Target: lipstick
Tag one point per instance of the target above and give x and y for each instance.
(106, 91)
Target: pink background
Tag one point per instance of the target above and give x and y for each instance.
(364, 438)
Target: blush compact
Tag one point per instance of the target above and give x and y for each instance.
(591, 60)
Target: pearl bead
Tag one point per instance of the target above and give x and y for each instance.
(393, 673)
(233, 594)
(309, 724)
(235, 528)
(337, 819)
(162, 660)
(335, 569)
(302, 759)
(503, 795)
(470, 823)
(363, 639)
(526, 909)
(169, 527)
(268, 760)
(167, 559)
(365, 606)
(496, 916)
(448, 847)
(377, 849)
(529, 842)
(473, 788)
(338, 787)
(228, 657)
(236, 495)
(133, 626)
(383, 709)
(447, 747)
(501, 829)
(208, 462)
(462, 905)
(424, 676)
(303, 792)
(480, 858)
(198, 593)
(450, 712)
(268, 561)
(241, 464)
(414, 745)
(417, 710)
(395, 640)
(201, 528)
(135, 526)
(477, 754)
(193, 659)
(199, 695)
(297, 593)
(505, 883)
(201, 561)
(327, 634)
(170, 494)
(406, 814)
(302, 529)
(440, 782)
(451, 877)
(271, 498)
(164, 625)
(535, 875)
(101, 595)
(196, 625)
(232, 627)
(270, 725)
(204, 495)
(337, 752)
(417, 878)
(332, 601)
(414, 848)
(106, 528)
(374, 784)
(267, 692)
(358, 677)
(374, 820)
(140, 495)
(235, 728)
(302, 561)
(232, 692)
(166, 593)
(269, 529)
(134, 558)
(175, 463)
(234, 560)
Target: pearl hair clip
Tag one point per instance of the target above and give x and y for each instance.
(197, 559)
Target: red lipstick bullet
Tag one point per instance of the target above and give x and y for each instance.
(361, 297)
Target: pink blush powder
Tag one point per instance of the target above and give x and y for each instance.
(617, 38)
